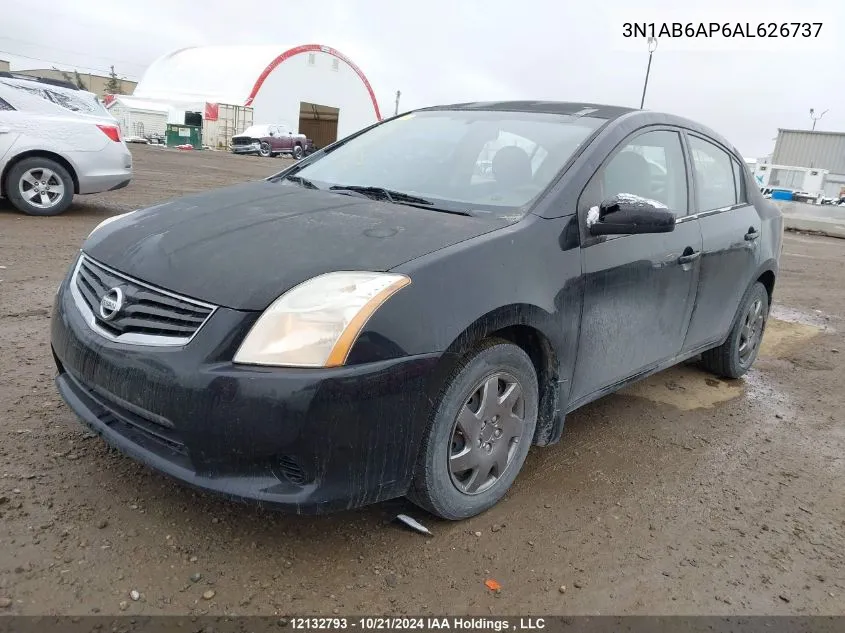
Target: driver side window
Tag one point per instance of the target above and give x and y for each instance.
(649, 166)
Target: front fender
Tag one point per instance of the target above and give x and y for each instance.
(520, 275)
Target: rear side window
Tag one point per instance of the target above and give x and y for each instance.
(81, 102)
(739, 181)
(714, 175)
(4, 105)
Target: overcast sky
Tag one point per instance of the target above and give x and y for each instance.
(440, 51)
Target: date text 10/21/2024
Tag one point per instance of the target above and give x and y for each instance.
(746, 30)
(457, 623)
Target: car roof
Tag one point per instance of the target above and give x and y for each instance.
(596, 110)
(20, 77)
(633, 117)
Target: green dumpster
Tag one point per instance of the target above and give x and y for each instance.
(176, 134)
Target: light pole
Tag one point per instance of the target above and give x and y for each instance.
(652, 46)
(398, 94)
(815, 118)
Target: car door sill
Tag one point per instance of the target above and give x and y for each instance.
(640, 375)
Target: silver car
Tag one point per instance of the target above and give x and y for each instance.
(56, 141)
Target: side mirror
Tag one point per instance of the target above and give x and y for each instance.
(627, 214)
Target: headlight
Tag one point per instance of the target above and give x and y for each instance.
(315, 323)
(109, 221)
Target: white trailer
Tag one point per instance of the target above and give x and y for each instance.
(805, 183)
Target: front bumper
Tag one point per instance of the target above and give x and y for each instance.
(252, 148)
(304, 440)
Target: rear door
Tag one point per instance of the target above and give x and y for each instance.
(8, 127)
(730, 228)
(638, 289)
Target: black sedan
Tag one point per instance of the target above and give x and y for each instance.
(408, 310)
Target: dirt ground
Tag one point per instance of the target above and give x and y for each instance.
(682, 495)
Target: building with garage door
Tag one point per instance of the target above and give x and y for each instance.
(313, 89)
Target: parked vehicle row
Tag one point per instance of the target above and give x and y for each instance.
(372, 322)
(271, 140)
(56, 141)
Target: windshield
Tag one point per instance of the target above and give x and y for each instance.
(473, 161)
(255, 130)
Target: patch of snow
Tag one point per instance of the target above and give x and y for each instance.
(592, 216)
(630, 198)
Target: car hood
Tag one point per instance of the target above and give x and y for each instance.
(242, 246)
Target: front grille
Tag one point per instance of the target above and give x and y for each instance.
(242, 140)
(143, 314)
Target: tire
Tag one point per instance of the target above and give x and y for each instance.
(44, 175)
(733, 357)
(264, 150)
(297, 152)
(440, 485)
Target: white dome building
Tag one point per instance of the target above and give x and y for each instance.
(312, 88)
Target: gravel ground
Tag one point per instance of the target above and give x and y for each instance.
(682, 495)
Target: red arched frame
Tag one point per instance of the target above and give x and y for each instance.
(313, 48)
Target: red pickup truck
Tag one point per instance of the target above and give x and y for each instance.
(271, 140)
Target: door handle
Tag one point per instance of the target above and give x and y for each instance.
(751, 235)
(688, 258)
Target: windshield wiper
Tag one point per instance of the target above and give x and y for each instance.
(396, 197)
(388, 194)
(302, 182)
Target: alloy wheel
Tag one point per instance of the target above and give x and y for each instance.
(41, 187)
(486, 433)
(752, 331)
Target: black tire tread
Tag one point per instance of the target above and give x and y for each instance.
(418, 493)
(723, 360)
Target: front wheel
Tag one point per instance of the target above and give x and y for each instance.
(480, 433)
(264, 149)
(735, 356)
(297, 152)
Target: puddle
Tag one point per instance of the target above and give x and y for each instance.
(816, 318)
(688, 387)
(783, 336)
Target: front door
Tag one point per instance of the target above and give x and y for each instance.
(276, 141)
(638, 289)
(730, 227)
(285, 139)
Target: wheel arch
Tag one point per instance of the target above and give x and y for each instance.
(765, 274)
(767, 277)
(39, 153)
(527, 327)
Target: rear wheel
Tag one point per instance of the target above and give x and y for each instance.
(735, 356)
(480, 433)
(264, 149)
(39, 186)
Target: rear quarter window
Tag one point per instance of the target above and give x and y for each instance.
(81, 102)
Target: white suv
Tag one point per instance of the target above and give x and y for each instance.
(55, 141)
